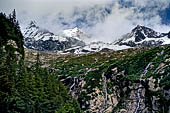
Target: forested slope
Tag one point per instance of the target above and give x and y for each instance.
(26, 89)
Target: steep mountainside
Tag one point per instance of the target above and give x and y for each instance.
(143, 36)
(127, 81)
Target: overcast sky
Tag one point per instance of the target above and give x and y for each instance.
(125, 14)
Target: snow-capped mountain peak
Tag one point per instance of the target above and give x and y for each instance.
(147, 32)
(144, 36)
(39, 38)
(35, 32)
(32, 24)
(74, 33)
(139, 27)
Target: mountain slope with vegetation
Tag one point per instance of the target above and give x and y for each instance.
(126, 81)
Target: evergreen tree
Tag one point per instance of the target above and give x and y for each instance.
(14, 16)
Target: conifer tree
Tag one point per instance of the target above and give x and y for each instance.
(14, 16)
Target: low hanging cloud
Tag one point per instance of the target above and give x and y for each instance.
(124, 18)
(104, 20)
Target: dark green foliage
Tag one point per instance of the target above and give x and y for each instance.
(41, 92)
(11, 51)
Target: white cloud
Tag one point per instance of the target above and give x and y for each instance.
(122, 19)
(114, 25)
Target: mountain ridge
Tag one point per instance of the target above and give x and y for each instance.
(41, 39)
(144, 36)
(74, 40)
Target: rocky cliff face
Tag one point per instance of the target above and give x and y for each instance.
(146, 93)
